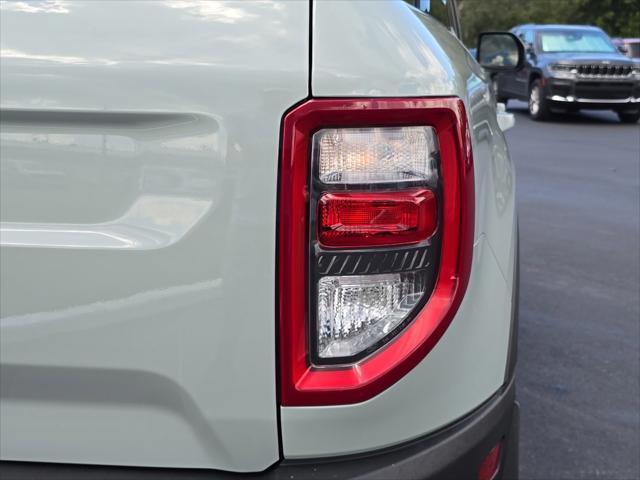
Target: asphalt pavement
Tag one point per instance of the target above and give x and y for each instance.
(578, 180)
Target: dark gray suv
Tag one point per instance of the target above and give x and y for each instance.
(572, 67)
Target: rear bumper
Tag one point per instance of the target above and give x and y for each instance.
(452, 453)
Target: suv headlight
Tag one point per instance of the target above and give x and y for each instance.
(563, 70)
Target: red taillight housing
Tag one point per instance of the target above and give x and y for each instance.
(376, 210)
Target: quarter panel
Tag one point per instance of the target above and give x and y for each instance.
(377, 49)
(387, 49)
(139, 174)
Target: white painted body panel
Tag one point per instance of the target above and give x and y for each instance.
(139, 176)
(383, 49)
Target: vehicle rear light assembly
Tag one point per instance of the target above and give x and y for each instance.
(376, 209)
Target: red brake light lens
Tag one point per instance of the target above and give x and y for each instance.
(376, 219)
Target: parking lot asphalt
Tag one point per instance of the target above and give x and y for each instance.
(578, 180)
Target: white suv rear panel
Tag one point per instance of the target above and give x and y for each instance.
(139, 175)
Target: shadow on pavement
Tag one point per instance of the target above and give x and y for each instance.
(586, 117)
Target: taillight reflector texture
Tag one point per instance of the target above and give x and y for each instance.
(357, 311)
(375, 155)
(376, 219)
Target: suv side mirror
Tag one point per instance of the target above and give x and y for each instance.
(623, 49)
(500, 51)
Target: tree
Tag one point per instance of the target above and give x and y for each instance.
(616, 17)
(619, 18)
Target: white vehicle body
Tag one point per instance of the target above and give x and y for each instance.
(140, 151)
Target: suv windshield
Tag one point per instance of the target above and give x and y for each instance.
(575, 41)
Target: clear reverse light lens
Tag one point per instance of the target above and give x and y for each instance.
(355, 312)
(376, 155)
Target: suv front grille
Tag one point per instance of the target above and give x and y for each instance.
(604, 70)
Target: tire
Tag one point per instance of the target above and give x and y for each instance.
(538, 105)
(626, 117)
(496, 92)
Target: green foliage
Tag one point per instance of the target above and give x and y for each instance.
(619, 18)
